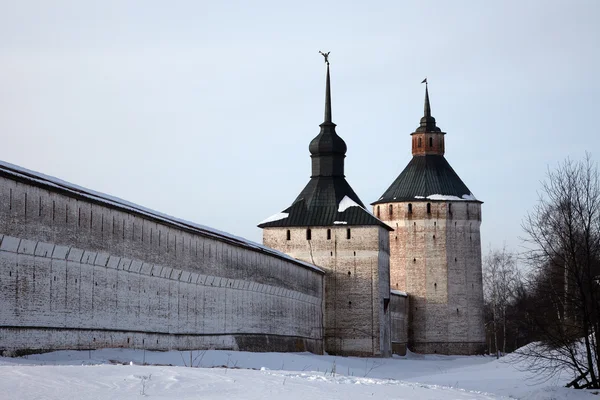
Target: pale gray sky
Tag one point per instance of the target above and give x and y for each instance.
(204, 109)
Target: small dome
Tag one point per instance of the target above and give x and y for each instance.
(427, 124)
(327, 141)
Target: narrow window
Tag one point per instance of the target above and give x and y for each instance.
(430, 142)
(410, 208)
(428, 208)
(450, 208)
(328, 234)
(308, 234)
(391, 210)
(288, 235)
(348, 234)
(419, 142)
(378, 212)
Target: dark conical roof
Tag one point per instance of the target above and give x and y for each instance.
(425, 176)
(327, 199)
(428, 176)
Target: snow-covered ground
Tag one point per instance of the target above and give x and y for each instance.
(120, 374)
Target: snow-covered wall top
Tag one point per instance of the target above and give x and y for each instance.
(53, 183)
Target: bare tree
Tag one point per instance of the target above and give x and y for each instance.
(563, 239)
(500, 278)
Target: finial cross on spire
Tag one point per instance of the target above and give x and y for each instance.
(326, 55)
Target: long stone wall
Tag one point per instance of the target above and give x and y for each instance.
(80, 270)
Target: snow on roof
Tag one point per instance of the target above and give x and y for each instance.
(398, 292)
(276, 217)
(346, 203)
(465, 197)
(112, 201)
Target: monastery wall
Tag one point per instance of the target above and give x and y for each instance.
(436, 257)
(79, 272)
(357, 318)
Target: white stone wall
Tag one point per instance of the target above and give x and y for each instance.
(357, 282)
(79, 274)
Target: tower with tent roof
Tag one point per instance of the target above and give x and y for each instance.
(435, 247)
(329, 226)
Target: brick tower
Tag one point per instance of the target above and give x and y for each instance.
(327, 225)
(435, 248)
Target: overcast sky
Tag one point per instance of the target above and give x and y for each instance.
(204, 109)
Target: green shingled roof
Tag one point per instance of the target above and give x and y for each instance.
(319, 205)
(425, 175)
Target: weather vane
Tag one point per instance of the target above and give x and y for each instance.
(326, 55)
(424, 81)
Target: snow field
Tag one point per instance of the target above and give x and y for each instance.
(119, 374)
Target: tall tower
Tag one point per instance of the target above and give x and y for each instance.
(327, 225)
(435, 248)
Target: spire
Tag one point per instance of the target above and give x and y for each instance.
(327, 90)
(327, 97)
(327, 149)
(427, 122)
(427, 111)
